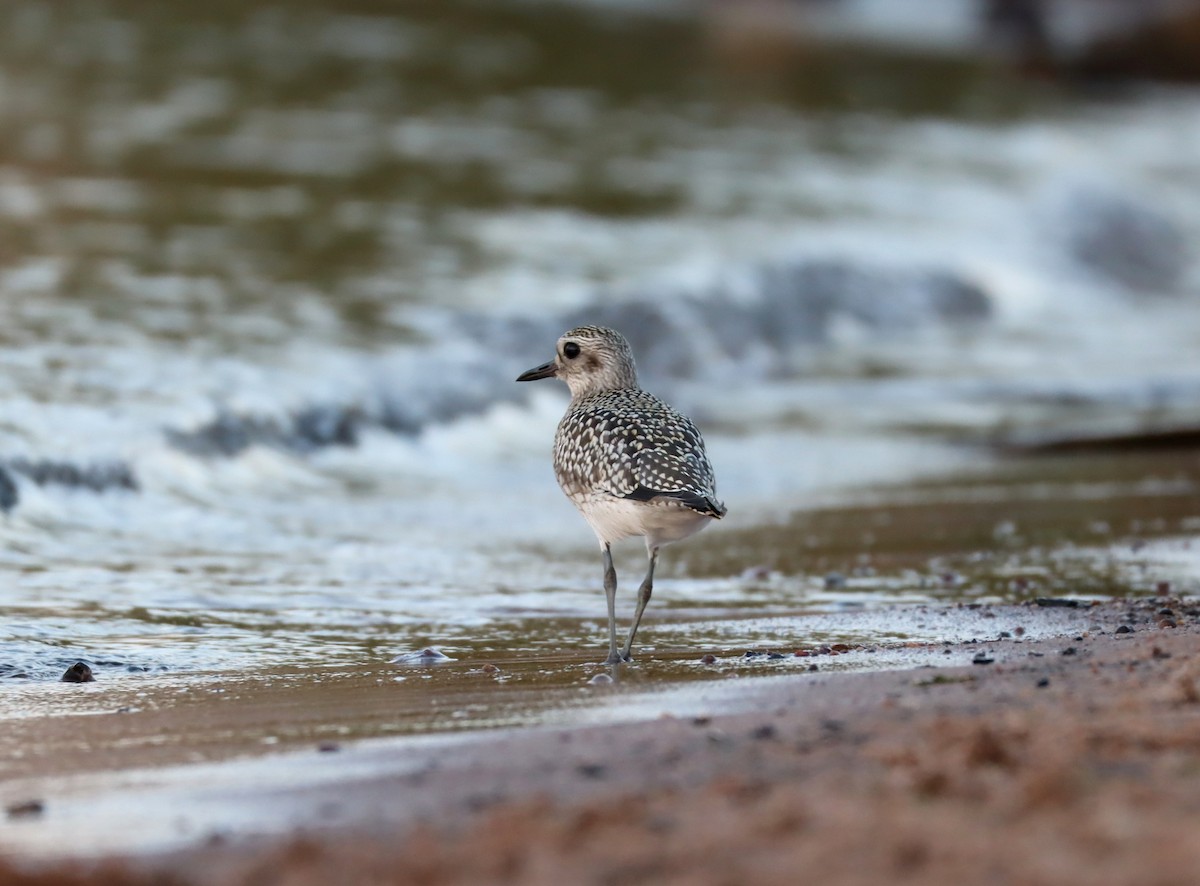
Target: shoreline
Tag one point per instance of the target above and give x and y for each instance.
(1083, 744)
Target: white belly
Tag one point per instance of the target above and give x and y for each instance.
(661, 522)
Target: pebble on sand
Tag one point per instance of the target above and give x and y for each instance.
(25, 809)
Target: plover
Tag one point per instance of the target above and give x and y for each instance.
(630, 463)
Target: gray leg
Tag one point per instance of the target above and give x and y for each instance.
(610, 591)
(644, 592)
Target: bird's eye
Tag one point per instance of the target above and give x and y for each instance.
(570, 350)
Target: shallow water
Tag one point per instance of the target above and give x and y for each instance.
(267, 274)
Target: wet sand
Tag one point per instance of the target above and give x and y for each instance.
(1069, 759)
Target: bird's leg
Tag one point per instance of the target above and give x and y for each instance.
(610, 591)
(644, 592)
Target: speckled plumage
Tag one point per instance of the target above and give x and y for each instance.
(629, 444)
(630, 463)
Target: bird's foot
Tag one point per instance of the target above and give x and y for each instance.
(615, 658)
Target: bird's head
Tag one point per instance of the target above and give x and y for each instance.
(590, 359)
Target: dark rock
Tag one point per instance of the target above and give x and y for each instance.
(1057, 601)
(25, 809)
(982, 658)
(1124, 629)
(78, 673)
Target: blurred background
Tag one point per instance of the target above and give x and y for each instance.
(268, 270)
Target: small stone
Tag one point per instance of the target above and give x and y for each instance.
(25, 809)
(592, 770)
(763, 733)
(839, 648)
(1043, 683)
(329, 747)
(1169, 613)
(1167, 623)
(982, 658)
(1056, 602)
(1163, 587)
(812, 668)
(834, 581)
(709, 659)
(601, 680)
(1124, 629)
(1070, 650)
(701, 721)
(78, 673)
(490, 669)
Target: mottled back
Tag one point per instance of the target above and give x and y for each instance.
(630, 444)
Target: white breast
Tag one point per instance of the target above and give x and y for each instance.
(661, 521)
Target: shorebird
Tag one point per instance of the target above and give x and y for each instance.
(630, 463)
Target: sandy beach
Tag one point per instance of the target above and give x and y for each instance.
(1062, 760)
